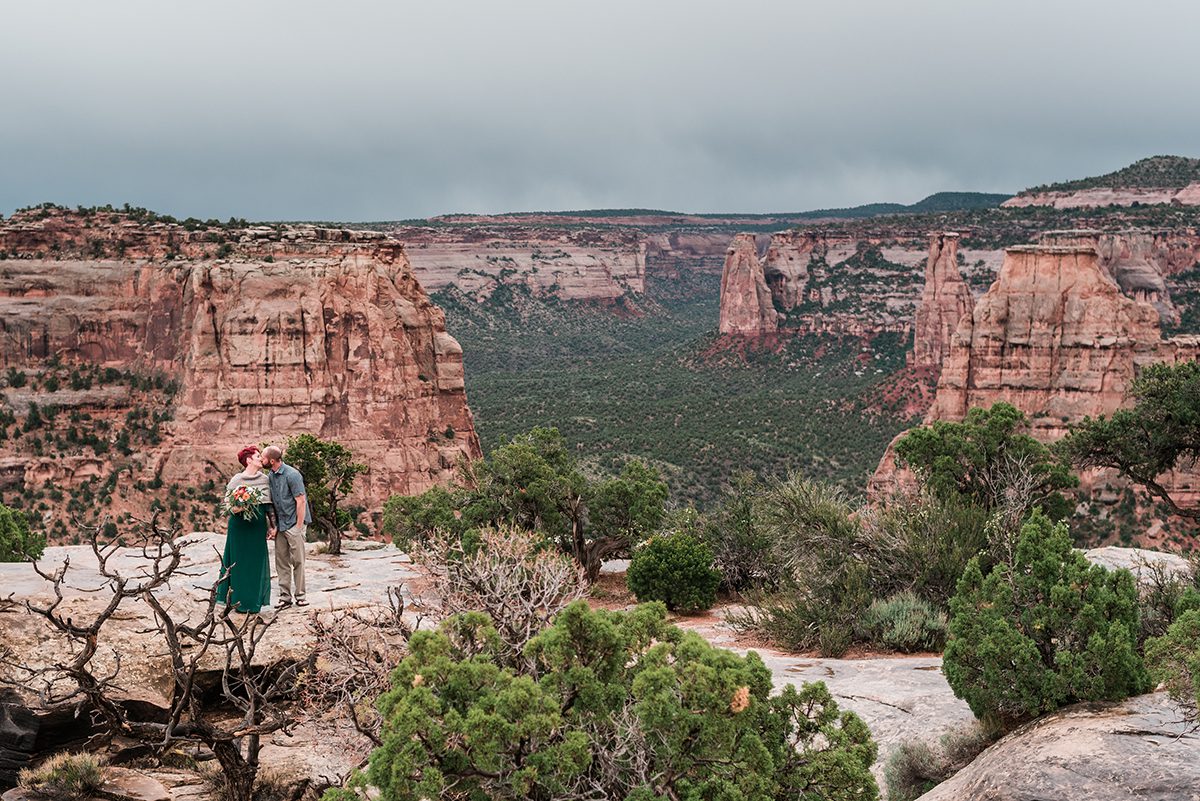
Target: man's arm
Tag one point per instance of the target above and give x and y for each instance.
(301, 509)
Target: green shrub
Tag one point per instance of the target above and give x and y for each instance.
(925, 541)
(1164, 594)
(66, 776)
(1045, 630)
(615, 705)
(17, 542)
(743, 553)
(904, 623)
(832, 567)
(969, 459)
(411, 520)
(1174, 660)
(676, 569)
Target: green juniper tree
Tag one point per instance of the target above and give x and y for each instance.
(329, 471)
(1160, 432)
(1045, 630)
(616, 705)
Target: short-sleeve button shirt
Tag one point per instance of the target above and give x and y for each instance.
(286, 484)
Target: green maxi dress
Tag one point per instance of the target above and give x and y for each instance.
(248, 585)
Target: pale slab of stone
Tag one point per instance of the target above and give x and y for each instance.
(1138, 748)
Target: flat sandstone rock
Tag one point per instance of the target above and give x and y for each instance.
(1138, 748)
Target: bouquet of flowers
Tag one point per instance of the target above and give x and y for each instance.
(245, 501)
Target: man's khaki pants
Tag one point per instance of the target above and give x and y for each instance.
(289, 562)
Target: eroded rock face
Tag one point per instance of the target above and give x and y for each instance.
(272, 334)
(1138, 748)
(944, 302)
(785, 267)
(584, 264)
(746, 304)
(1139, 261)
(1055, 337)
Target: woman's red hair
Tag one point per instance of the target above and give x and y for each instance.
(245, 453)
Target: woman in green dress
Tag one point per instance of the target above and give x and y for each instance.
(247, 585)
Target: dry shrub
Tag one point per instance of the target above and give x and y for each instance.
(66, 776)
(917, 767)
(354, 653)
(507, 575)
(269, 785)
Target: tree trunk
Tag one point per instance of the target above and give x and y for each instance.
(239, 774)
(332, 532)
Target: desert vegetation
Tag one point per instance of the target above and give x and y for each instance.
(692, 406)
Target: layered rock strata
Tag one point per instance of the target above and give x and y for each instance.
(585, 264)
(1106, 196)
(815, 284)
(1056, 338)
(269, 333)
(1141, 262)
(944, 302)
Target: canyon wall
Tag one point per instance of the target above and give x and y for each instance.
(1055, 337)
(585, 264)
(1143, 263)
(819, 283)
(266, 331)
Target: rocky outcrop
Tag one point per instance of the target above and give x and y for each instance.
(1055, 337)
(944, 302)
(1139, 261)
(817, 284)
(1106, 196)
(268, 332)
(785, 267)
(359, 579)
(746, 305)
(1138, 748)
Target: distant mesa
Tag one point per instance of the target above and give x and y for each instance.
(1156, 180)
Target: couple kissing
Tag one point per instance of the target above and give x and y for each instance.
(265, 501)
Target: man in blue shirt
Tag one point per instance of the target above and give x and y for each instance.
(294, 517)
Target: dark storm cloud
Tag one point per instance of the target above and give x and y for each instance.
(382, 110)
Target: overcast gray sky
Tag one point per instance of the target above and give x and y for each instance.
(357, 110)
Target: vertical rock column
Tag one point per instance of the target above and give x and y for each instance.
(944, 302)
(746, 306)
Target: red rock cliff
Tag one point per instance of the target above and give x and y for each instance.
(1055, 337)
(271, 332)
